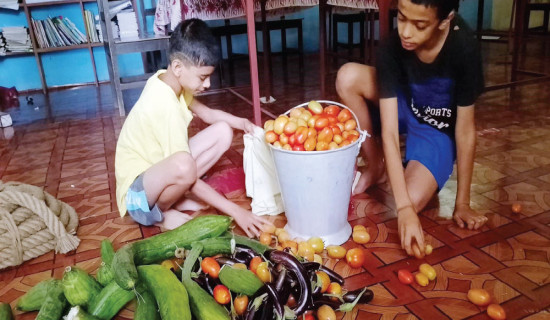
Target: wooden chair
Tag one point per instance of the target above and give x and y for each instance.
(115, 46)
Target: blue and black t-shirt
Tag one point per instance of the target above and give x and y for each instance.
(432, 91)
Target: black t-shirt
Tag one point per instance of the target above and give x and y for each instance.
(433, 91)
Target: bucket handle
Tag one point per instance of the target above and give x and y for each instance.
(362, 133)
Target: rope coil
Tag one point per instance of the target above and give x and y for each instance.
(32, 223)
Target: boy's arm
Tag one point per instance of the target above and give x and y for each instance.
(465, 137)
(211, 116)
(408, 222)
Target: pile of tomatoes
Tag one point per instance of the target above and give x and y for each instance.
(313, 128)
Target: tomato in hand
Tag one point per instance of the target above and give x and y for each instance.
(355, 257)
(405, 276)
(495, 311)
(221, 294)
(211, 267)
(240, 304)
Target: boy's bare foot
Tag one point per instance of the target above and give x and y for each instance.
(189, 204)
(173, 219)
(370, 175)
(465, 216)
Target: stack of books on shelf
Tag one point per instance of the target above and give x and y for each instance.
(9, 4)
(57, 32)
(127, 25)
(125, 18)
(15, 39)
(91, 27)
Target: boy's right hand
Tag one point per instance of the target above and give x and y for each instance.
(410, 232)
(250, 223)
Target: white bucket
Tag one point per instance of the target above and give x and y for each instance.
(316, 188)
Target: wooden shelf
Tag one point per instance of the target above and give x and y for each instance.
(14, 54)
(73, 47)
(51, 3)
(27, 8)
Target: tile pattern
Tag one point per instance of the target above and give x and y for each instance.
(70, 153)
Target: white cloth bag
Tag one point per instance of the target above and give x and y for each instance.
(260, 175)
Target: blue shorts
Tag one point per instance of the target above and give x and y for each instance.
(138, 207)
(427, 145)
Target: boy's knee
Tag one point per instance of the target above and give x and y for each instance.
(346, 76)
(185, 168)
(225, 133)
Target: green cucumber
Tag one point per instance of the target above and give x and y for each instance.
(170, 294)
(107, 251)
(163, 246)
(203, 305)
(241, 281)
(105, 274)
(214, 246)
(147, 308)
(79, 287)
(33, 299)
(54, 303)
(77, 313)
(109, 301)
(5, 311)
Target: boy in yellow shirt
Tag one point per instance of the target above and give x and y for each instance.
(156, 164)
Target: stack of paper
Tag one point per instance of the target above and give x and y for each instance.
(127, 25)
(17, 39)
(9, 4)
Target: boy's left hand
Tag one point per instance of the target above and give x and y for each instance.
(464, 215)
(248, 126)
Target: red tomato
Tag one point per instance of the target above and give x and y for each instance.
(332, 120)
(311, 133)
(336, 130)
(495, 311)
(355, 257)
(324, 279)
(516, 207)
(253, 265)
(321, 122)
(479, 297)
(240, 304)
(311, 121)
(221, 294)
(298, 147)
(325, 135)
(321, 146)
(344, 115)
(292, 140)
(309, 317)
(210, 266)
(351, 124)
(301, 135)
(271, 136)
(332, 110)
(405, 276)
(310, 144)
(334, 288)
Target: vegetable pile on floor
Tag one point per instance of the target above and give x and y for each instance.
(197, 271)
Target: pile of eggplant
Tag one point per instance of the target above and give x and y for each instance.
(294, 281)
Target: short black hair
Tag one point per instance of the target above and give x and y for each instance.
(443, 7)
(193, 43)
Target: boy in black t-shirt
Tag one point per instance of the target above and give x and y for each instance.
(427, 79)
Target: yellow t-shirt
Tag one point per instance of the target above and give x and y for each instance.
(155, 128)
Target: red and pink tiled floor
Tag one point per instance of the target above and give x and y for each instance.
(69, 151)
